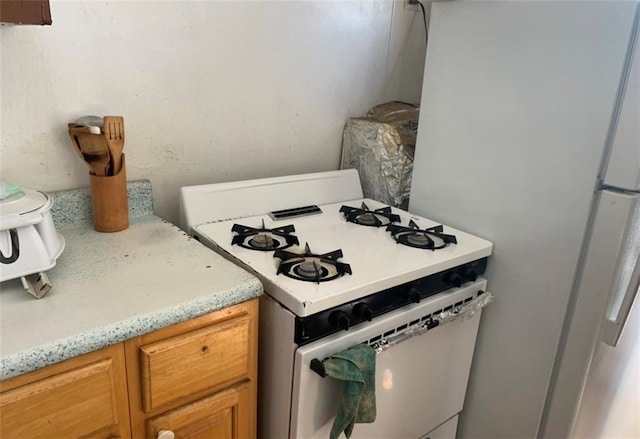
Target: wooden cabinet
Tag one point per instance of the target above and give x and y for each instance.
(82, 397)
(197, 377)
(25, 11)
(193, 380)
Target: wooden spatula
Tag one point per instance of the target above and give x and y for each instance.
(114, 133)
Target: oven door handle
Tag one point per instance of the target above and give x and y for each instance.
(461, 312)
(318, 367)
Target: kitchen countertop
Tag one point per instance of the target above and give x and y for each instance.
(110, 287)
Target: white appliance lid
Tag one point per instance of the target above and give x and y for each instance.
(15, 200)
(21, 207)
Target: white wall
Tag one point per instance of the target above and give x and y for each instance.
(210, 91)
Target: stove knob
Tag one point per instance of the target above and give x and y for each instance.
(339, 320)
(453, 279)
(362, 311)
(470, 274)
(414, 295)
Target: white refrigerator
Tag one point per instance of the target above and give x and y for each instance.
(529, 136)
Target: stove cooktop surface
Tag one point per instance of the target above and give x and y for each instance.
(376, 260)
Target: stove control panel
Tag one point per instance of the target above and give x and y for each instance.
(343, 317)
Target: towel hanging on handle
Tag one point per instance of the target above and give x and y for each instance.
(356, 367)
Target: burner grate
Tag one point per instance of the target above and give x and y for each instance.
(310, 267)
(263, 239)
(366, 217)
(430, 238)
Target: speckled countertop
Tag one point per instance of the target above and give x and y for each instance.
(110, 287)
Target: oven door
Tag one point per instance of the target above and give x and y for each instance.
(420, 382)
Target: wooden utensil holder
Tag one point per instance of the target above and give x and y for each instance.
(109, 201)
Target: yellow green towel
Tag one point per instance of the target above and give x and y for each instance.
(356, 367)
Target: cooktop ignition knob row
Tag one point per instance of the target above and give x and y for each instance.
(339, 320)
(470, 274)
(453, 279)
(414, 295)
(362, 311)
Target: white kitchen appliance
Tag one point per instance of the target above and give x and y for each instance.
(529, 135)
(338, 273)
(29, 243)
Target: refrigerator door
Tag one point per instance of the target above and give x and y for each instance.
(610, 401)
(623, 167)
(627, 279)
(612, 248)
(610, 267)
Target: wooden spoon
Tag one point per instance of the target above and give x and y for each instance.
(114, 133)
(76, 143)
(92, 149)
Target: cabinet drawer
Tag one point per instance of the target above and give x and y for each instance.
(206, 358)
(225, 415)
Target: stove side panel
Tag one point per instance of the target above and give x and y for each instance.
(275, 369)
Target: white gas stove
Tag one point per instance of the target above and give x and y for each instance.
(337, 268)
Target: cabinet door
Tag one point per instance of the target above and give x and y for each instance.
(82, 397)
(225, 415)
(25, 11)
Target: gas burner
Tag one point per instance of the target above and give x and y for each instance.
(310, 267)
(365, 217)
(431, 238)
(264, 239)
